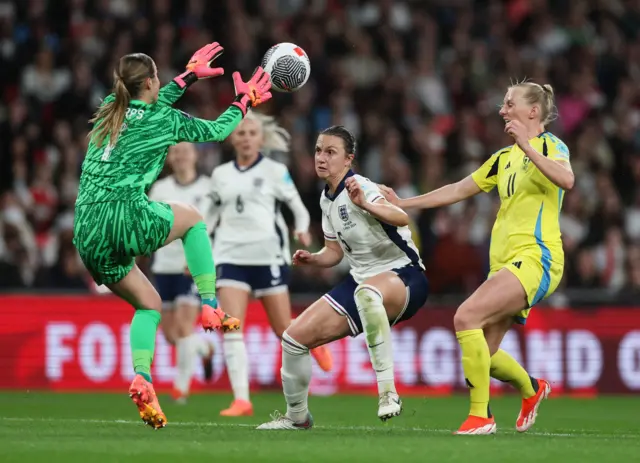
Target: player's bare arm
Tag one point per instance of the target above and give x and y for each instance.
(558, 172)
(381, 209)
(444, 196)
(329, 256)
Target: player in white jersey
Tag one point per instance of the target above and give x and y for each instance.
(180, 301)
(386, 284)
(251, 243)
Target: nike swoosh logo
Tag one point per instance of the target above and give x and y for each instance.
(376, 345)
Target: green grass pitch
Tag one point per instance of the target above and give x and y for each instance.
(96, 428)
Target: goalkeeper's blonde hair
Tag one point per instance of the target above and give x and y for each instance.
(275, 137)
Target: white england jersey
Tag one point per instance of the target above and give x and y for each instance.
(246, 206)
(170, 258)
(370, 246)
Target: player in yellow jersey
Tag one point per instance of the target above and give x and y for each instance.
(526, 253)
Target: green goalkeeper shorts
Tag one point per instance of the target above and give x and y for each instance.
(110, 235)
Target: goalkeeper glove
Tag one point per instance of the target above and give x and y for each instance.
(199, 66)
(251, 93)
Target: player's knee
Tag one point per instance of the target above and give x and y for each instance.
(151, 301)
(368, 299)
(292, 346)
(466, 318)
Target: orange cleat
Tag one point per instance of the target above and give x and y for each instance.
(178, 396)
(529, 409)
(324, 358)
(213, 319)
(238, 408)
(142, 393)
(476, 425)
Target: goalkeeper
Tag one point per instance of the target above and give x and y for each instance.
(114, 219)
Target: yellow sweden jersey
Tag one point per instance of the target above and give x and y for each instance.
(526, 235)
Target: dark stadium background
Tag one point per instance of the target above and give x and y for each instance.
(419, 82)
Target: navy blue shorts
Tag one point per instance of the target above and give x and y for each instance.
(175, 287)
(342, 301)
(262, 280)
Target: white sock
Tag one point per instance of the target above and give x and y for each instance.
(184, 354)
(296, 376)
(235, 355)
(200, 345)
(377, 334)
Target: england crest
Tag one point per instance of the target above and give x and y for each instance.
(342, 212)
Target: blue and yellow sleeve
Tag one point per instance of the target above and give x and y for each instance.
(555, 148)
(486, 176)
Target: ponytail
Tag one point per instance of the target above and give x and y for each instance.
(128, 78)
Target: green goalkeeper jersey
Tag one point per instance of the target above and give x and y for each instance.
(125, 171)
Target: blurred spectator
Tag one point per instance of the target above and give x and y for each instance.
(418, 82)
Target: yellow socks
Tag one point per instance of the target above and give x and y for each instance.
(476, 361)
(506, 368)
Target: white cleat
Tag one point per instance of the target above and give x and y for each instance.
(280, 422)
(389, 405)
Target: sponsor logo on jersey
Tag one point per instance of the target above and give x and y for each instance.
(342, 212)
(517, 264)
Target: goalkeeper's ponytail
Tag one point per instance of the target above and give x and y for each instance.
(128, 78)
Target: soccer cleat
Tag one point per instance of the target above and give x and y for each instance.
(476, 426)
(323, 357)
(142, 393)
(238, 408)
(529, 410)
(280, 422)
(389, 405)
(207, 363)
(213, 319)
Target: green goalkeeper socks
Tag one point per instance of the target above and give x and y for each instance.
(143, 340)
(197, 250)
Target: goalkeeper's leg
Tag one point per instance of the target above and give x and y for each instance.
(188, 225)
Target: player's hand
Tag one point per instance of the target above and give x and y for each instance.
(187, 272)
(254, 92)
(389, 195)
(302, 257)
(199, 66)
(304, 238)
(200, 62)
(356, 195)
(518, 131)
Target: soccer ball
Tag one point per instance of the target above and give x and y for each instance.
(288, 66)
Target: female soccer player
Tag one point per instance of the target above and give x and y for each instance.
(180, 303)
(526, 253)
(114, 219)
(251, 241)
(386, 282)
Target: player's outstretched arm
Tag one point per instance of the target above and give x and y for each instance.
(198, 67)
(329, 256)
(444, 196)
(248, 94)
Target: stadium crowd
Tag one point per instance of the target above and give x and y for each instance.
(419, 82)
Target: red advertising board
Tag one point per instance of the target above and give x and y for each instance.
(82, 343)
